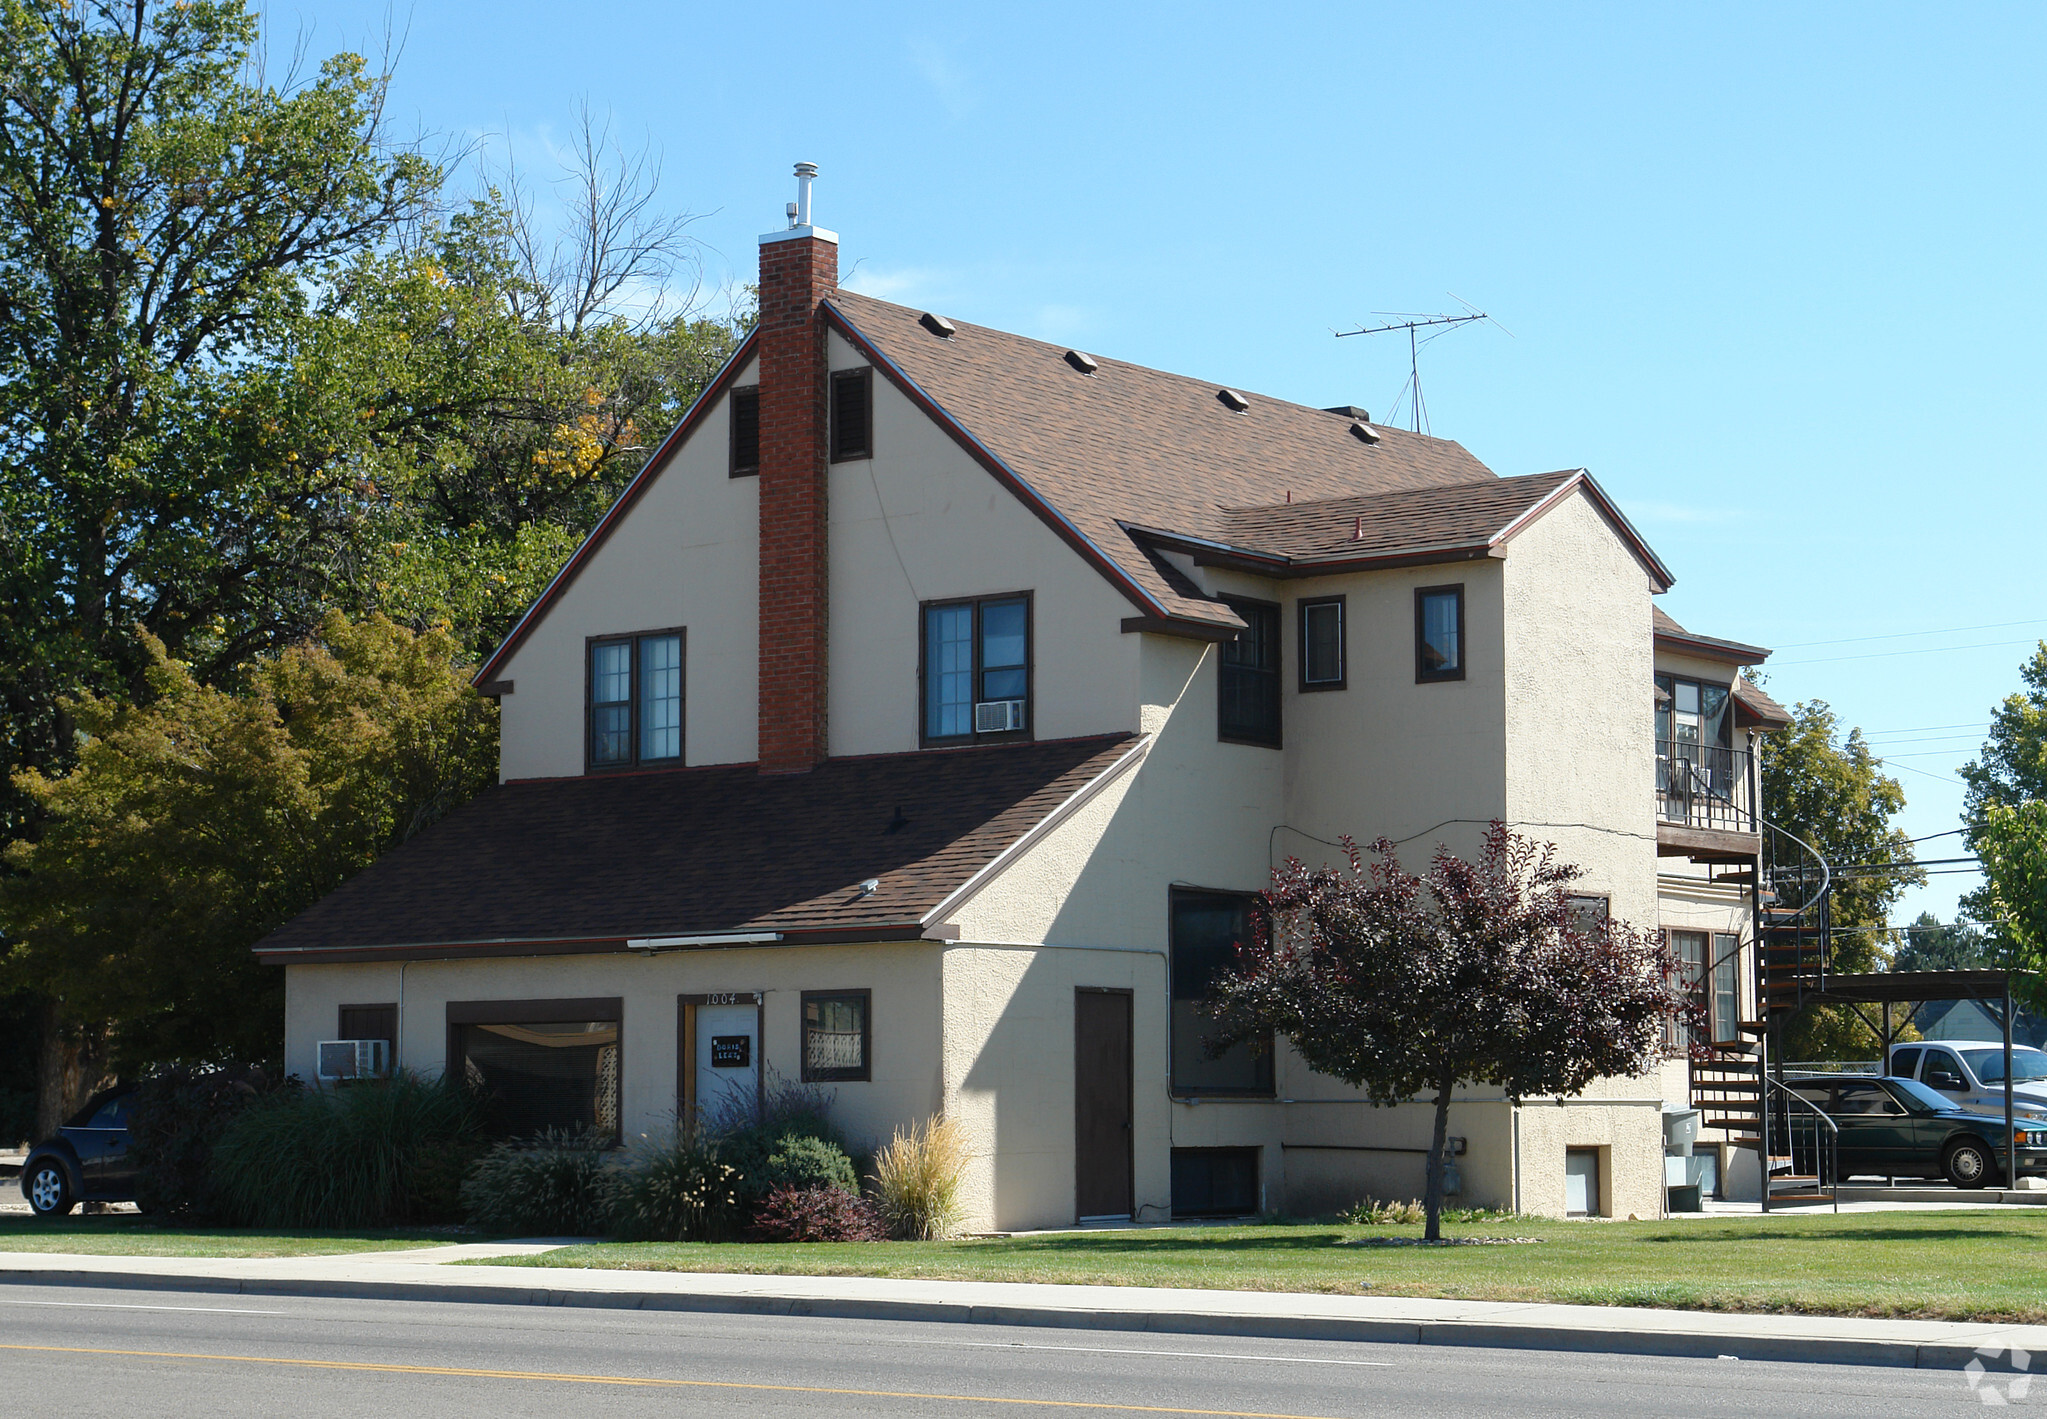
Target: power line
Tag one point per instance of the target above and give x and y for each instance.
(1901, 635)
(1886, 654)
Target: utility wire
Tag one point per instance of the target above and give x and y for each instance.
(1887, 654)
(1901, 635)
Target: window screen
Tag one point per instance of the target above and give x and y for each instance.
(835, 1034)
(1726, 996)
(1439, 633)
(852, 415)
(560, 1074)
(660, 697)
(1322, 644)
(1248, 677)
(745, 407)
(611, 702)
(1206, 928)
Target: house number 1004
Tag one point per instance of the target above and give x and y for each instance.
(733, 997)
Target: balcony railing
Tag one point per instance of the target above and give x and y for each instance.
(1704, 786)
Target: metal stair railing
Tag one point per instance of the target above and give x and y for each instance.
(1808, 1135)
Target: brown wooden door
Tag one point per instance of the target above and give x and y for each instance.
(1101, 1103)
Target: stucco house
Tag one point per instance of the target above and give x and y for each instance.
(920, 719)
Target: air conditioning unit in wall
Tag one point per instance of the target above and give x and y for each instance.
(998, 716)
(354, 1059)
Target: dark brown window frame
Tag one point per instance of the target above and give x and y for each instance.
(928, 740)
(846, 379)
(1278, 739)
(1422, 674)
(1301, 609)
(539, 1012)
(681, 755)
(865, 1074)
(1174, 1087)
(736, 466)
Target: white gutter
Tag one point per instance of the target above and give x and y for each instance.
(999, 864)
(716, 938)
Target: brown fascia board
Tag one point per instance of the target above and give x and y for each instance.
(593, 946)
(1713, 648)
(1659, 575)
(1030, 497)
(615, 514)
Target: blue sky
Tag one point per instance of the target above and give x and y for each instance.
(1773, 273)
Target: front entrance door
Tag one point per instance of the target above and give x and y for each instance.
(721, 1058)
(1102, 1103)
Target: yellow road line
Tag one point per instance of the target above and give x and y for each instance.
(654, 1382)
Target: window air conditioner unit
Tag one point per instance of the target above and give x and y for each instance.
(998, 716)
(354, 1059)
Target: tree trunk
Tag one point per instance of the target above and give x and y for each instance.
(70, 1068)
(1432, 1197)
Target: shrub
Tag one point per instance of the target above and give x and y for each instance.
(179, 1116)
(1373, 1213)
(558, 1184)
(677, 1191)
(797, 1161)
(917, 1180)
(816, 1214)
(374, 1154)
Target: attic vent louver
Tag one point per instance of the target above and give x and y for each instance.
(1365, 432)
(1086, 364)
(1233, 400)
(938, 325)
(1349, 411)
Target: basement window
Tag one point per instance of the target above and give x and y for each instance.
(852, 415)
(745, 408)
(635, 701)
(976, 670)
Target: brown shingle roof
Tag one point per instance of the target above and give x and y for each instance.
(1461, 515)
(1137, 445)
(1669, 632)
(604, 858)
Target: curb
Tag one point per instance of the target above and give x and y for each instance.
(1834, 1350)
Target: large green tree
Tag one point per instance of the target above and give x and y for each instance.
(1828, 790)
(2002, 811)
(195, 823)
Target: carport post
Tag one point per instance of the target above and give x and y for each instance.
(2011, 1142)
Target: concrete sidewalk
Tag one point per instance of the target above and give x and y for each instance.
(426, 1275)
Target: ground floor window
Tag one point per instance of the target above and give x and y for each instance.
(835, 1034)
(1215, 1182)
(1206, 930)
(539, 1064)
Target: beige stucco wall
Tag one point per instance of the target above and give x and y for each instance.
(687, 555)
(904, 979)
(922, 521)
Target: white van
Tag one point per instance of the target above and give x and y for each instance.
(1971, 1072)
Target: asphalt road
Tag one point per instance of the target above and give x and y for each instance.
(90, 1350)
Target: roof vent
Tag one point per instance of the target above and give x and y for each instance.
(1349, 411)
(938, 325)
(1233, 400)
(1086, 364)
(1365, 432)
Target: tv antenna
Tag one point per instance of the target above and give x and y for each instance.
(1414, 322)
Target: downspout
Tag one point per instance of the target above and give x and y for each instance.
(400, 1029)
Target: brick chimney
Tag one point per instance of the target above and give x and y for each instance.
(799, 268)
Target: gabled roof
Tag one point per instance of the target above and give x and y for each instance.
(1128, 445)
(1670, 635)
(589, 863)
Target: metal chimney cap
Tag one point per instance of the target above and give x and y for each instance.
(806, 169)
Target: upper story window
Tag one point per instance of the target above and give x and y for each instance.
(977, 669)
(1439, 633)
(744, 409)
(852, 414)
(636, 700)
(1692, 713)
(1322, 645)
(1248, 677)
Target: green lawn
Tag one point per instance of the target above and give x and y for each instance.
(1927, 1265)
(125, 1234)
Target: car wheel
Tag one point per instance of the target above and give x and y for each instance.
(1967, 1163)
(48, 1189)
